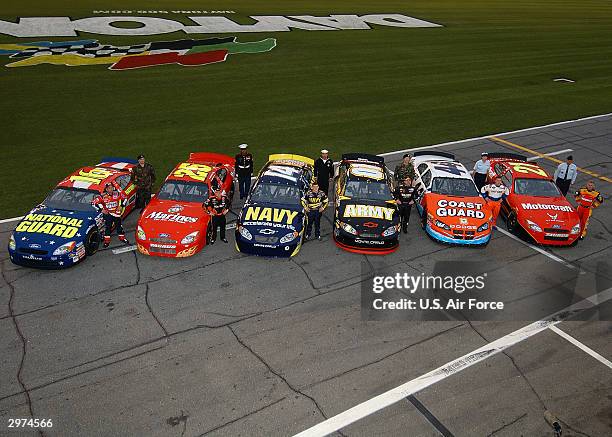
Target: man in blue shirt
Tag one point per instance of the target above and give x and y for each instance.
(481, 168)
(565, 175)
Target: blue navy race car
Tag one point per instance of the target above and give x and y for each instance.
(65, 227)
(272, 220)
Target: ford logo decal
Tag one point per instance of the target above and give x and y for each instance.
(164, 235)
(35, 246)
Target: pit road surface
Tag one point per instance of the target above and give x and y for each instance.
(223, 344)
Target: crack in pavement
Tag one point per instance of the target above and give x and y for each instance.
(216, 428)
(310, 280)
(277, 374)
(506, 425)
(516, 366)
(384, 357)
(23, 340)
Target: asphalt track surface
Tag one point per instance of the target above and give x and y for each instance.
(223, 344)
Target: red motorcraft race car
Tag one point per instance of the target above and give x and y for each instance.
(174, 224)
(535, 204)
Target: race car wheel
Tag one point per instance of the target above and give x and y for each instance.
(92, 242)
(512, 223)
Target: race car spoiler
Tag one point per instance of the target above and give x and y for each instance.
(363, 157)
(434, 153)
(117, 162)
(507, 156)
(291, 157)
(210, 157)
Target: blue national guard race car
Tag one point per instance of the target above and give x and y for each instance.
(272, 220)
(65, 227)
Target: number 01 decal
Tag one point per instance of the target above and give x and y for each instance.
(523, 167)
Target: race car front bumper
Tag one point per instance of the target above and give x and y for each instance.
(476, 241)
(369, 246)
(42, 261)
(278, 250)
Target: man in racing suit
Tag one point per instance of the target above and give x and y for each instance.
(588, 198)
(314, 201)
(111, 203)
(404, 195)
(217, 206)
(494, 194)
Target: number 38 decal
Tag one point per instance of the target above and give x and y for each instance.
(523, 167)
(197, 172)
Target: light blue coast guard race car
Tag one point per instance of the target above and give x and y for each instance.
(65, 227)
(272, 220)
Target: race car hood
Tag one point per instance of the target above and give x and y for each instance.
(368, 215)
(458, 212)
(258, 216)
(549, 212)
(46, 228)
(171, 219)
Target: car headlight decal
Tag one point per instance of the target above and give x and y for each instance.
(576, 229)
(245, 233)
(483, 227)
(389, 231)
(140, 233)
(190, 238)
(348, 228)
(64, 248)
(289, 237)
(12, 244)
(442, 225)
(533, 226)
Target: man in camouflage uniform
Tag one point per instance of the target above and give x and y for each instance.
(143, 176)
(404, 170)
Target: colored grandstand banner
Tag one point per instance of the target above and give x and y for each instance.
(186, 52)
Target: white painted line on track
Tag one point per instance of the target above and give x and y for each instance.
(559, 152)
(8, 220)
(124, 249)
(396, 394)
(540, 250)
(563, 79)
(449, 143)
(582, 346)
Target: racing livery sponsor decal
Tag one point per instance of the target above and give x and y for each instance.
(453, 208)
(267, 214)
(369, 211)
(175, 218)
(543, 206)
(94, 176)
(60, 226)
(186, 52)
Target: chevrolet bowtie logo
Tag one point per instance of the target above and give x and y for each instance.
(371, 225)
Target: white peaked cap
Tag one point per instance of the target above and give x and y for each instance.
(324, 151)
(243, 146)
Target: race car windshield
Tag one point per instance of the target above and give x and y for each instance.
(367, 189)
(536, 187)
(276, 193)
(72, 199)
(183, 191)
(454, 187)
